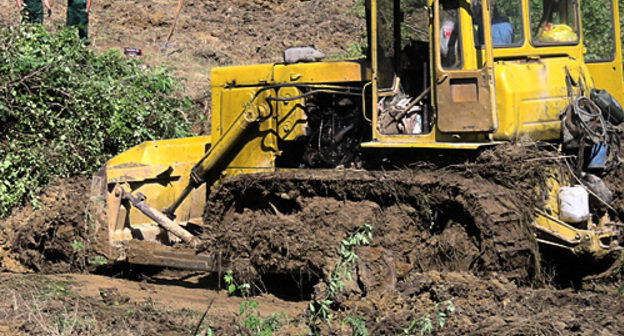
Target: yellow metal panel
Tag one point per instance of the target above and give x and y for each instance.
(258, 148)
(292, 120)
(320, 72)
(530, 95)
(242, 75)
(432, 140)
(608, 76)
(424, 145)
(315, 72)
(153, 158)
(161, 151)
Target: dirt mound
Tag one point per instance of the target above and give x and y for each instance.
(489, 306)
(50, 236)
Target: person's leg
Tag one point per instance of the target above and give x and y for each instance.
(83, 25)
(72, 19)
(32, 11)
(37, 17)
(77, 17)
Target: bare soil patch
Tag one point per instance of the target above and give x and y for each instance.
(77, 304)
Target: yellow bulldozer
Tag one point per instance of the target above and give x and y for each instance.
(488, 73)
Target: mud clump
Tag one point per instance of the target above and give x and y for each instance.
(49, 237)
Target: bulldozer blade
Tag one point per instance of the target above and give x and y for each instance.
(150, 253)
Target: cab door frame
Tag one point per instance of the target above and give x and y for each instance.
(465, 98)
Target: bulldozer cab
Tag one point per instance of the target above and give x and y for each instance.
(453, 92)
(485, 70)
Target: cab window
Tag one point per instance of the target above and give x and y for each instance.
(554, 22)
(450, 42)
(506, 25)
(598, 30)
(385, 44)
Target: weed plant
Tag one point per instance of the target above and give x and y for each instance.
(249, 321)
(320, 310)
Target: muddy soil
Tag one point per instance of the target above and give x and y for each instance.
(455, 236)
(49, 236)
(291, 223)
(495, 306)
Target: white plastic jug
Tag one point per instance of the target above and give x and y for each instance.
(573, 204)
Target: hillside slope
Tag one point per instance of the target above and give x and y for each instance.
(212, 32)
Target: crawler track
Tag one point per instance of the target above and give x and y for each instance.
(293, 221)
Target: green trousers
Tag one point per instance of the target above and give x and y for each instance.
(77, 17)
(32, 11)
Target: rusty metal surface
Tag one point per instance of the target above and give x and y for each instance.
(155, 254)
(464, 103)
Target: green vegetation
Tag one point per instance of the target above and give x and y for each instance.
(77, 246)
(425, 324)
(65, 110)
(250, 322)
(320, 310)
(598, 30)
(357, 324)
(97, 260)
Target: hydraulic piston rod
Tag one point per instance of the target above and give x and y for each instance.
(248, 117)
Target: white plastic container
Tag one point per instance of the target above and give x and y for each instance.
(573, 204)
(417, 124)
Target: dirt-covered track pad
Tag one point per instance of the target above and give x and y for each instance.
(293, 221)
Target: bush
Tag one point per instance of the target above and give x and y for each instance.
(65, 110)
